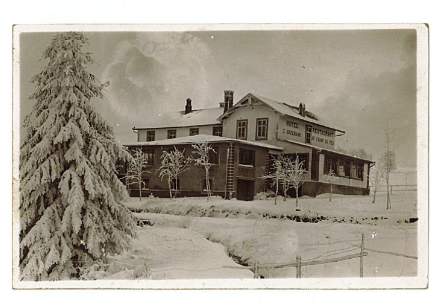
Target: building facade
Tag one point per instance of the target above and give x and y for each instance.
(265, 128)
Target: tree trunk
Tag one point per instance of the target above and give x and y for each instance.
(331, 192)
(296, 201)
(388, 192)
(276, 191)
(140, 190)
(208, 187)
(169, 188)
(374, 193)
(284, 192)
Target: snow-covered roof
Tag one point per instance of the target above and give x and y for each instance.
(282, 108)
(327, 150)
(203, 138)
(198, 117)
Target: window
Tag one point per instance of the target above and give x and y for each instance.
(242, 129)
(360, 171)
(171, 133)
(213, 156)
(246, 157)
(193, 131)
(175, 185)
(211, 186)
(261, 129)
(330, 164)
(146, 184)
(308, 133)
(217, 131)
(149, 156)
(151, 135)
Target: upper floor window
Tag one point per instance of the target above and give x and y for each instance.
(217, 131)
(246, 157)
(242, 129)
(193, 131)
(151, 135)
(171, 133)
(261, 128)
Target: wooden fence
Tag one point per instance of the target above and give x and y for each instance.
(299, 264)
(395, 188)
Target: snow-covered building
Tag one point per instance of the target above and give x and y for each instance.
(248, 134)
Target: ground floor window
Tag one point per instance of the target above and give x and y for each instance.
(213, 155)
(343, 167)
(304, 157)
(175, 184)
(149, 157)
(246, 157)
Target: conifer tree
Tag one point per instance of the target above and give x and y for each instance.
(71, 213)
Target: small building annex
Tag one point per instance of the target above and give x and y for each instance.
(246, 136)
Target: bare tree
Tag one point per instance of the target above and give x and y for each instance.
(331, 174)
(276, 174)
(173, 164)
(294, 173)
(201, 151)
(388, 163)
(377, 177)
(136, 170)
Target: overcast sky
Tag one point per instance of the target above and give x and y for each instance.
(358, 80)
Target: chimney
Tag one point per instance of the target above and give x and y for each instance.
(188, 107)
(302, 109)
(229, 100)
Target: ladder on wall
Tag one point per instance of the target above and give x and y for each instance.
(230, 171)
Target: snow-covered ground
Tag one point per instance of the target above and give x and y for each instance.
(391, 249)
(343, 208)
(183, 242)
(171, 253)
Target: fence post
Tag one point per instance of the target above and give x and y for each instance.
(298, 267)
(256, 269)
(361, 257)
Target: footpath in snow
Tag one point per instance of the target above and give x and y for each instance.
(172, 253)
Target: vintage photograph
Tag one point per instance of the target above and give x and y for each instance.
(228, 156)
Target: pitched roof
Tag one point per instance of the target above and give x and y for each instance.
(282, 108)
(198, 117)
(203, 138)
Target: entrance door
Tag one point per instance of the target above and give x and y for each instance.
(308, 133)
(245, 190)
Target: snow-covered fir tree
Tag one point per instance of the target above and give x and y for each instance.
(71, 213)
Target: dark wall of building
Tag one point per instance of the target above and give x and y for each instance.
(193, 179)
(315, 188)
